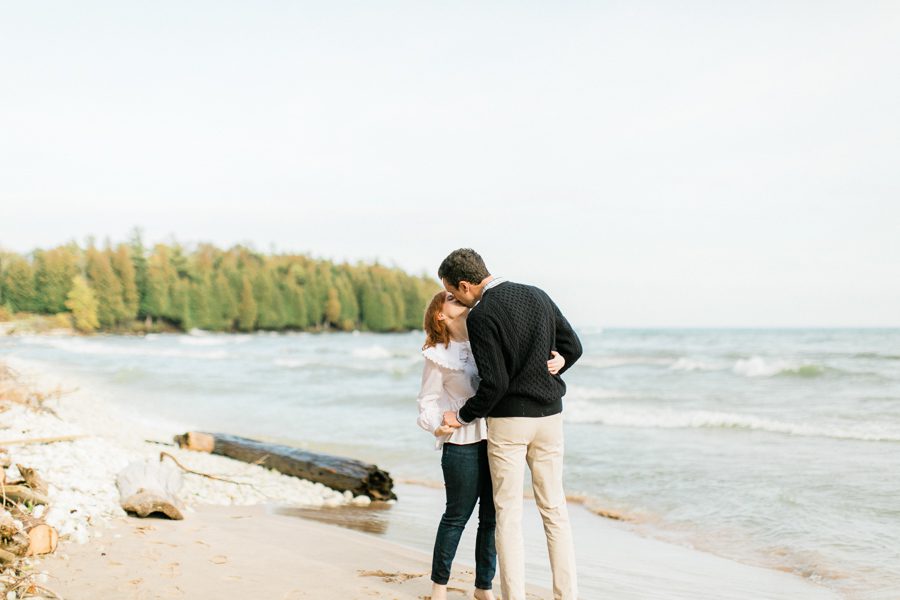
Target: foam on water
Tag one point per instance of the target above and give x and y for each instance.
(371, 353)
(82, 346)
(757, 366)
(619, 415)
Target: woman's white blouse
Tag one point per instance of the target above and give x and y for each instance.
(449, 378)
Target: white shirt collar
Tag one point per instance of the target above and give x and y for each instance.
(494, 282)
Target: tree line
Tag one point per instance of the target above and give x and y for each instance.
(131, 287)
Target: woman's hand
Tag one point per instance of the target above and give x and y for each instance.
(556, 363)
(443, 430)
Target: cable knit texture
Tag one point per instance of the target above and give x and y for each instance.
(512, 331)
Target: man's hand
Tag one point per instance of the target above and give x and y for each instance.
(450, 419)
(556, 363)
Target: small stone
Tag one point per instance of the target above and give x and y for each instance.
(361, 501)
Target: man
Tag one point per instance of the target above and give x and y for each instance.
(512, 330)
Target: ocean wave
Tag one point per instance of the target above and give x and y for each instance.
(213, 339)
(292, 363)
(757, 366)
(80, 346)
(372, 352)
(695, 364)
(876, 355)
(577, 392)
(580, 411)
(316, 363)
(610, 362)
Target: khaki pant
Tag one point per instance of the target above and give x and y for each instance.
(513, 442)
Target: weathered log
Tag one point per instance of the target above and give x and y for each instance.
(151, 486)
(43, 440)
(32, 479)
(21, 493)
(336, 472)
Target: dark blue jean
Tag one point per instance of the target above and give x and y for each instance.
(467, 480)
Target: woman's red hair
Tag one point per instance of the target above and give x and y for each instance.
(436, 331)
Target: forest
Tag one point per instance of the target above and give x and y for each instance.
(128, 287)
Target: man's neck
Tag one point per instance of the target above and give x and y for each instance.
(482, 285)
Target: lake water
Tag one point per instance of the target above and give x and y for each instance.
(778, 448)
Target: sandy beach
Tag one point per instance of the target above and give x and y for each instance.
(262, 539)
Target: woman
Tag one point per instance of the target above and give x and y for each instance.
(450, 377)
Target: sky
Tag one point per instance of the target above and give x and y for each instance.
(649, 164)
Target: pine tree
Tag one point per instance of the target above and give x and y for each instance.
(226, 301)
(247, 309)
(19, 290)
(83, 304)
(54, 271)
(107, 287)
(157, 303)
(139, 259)
(124, 267)
(333, 307)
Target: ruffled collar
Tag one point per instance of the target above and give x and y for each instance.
(454, 357)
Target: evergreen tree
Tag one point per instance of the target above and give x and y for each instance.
(123, 265)
(19, 289)
(83, 304)
(54, 271)
(247, 309)
(157, 303)
(333, 307)
(141, 267)
(226, 302)
(106, 286)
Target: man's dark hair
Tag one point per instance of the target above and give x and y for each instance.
(463, 265)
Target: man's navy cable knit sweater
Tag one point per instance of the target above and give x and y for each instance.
(512, 331)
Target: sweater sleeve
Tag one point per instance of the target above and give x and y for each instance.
(488, 350)
(430, 415)
(567, 342)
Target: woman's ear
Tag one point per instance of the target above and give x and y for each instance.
(440, 316)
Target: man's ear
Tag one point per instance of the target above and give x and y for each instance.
(464, 287)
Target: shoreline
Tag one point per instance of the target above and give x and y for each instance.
(626, 559)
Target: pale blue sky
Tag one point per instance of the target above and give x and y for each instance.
(674, 164)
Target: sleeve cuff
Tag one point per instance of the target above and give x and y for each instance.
(460, 418)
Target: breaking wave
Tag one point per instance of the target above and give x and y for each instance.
(581, 411)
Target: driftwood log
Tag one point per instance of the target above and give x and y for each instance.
(32, 479)
(22, 493)
(336, 472)
(151, 486)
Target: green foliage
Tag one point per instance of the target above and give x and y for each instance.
(107, 287)
(19, 289)
(210, 288)
(83, 304)
(247, 315)
(54, 270)
(124, 266)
